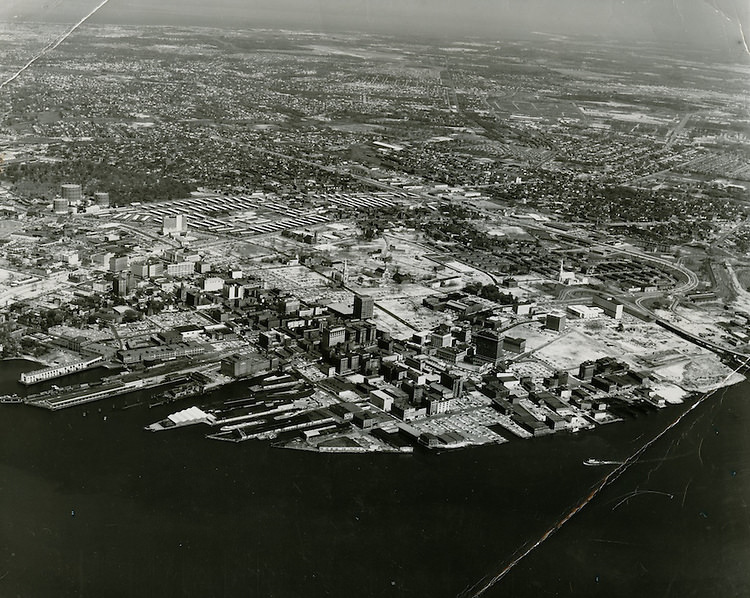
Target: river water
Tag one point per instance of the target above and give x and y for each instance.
(99, 507)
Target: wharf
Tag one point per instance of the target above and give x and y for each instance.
(270, 430)
(300, 445)
(54, 401)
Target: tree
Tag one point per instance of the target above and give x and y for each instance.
(130, 316)
(9, 346)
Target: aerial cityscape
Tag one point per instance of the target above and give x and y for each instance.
(354, 242)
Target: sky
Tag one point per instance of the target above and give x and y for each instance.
(718, 24)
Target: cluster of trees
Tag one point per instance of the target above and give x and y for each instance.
(13, 346)
(491, 292)
(44, 319)
(676, 232)
(125, 185)
(448, 163)
(596, 201)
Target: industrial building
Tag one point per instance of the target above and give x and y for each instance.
(612, 307)
(71, 193)
(162, 353)
(60, 205)
(244, 365)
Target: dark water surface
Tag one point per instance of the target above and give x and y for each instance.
(686, 532)
(95, 507)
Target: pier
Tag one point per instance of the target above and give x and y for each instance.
(89, 394)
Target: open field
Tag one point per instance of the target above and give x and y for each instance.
(571, 349)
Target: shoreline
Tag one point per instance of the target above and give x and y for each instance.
(687, 396)
(690, 399)
(28, 358)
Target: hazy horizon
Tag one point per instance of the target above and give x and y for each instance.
(718, 24)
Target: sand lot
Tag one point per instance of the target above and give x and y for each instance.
(571, 349)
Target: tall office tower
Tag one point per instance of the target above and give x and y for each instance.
(72, 193)
(363, 306)
(555, 321)
(454, 382)
(587, 370)
(441, 337)
(174, 224)
(118, 263)
(333, 336)
(122, 284)
(489, 346)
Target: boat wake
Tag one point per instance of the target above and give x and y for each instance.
(484, 584)
(598, 462)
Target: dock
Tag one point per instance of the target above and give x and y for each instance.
(55, 401)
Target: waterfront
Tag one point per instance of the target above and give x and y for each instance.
(675, 524)
(100, 507)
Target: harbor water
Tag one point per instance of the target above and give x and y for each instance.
(93, 505)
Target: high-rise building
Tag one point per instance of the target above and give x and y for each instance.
(148, 269)
(101, 260)
(363, 333)
(213, 283)
(174, 224)
(555, 321)
(122, 284)
(437, 404)
(233, 291)
(586, 370)
(364, 306)
(118, 263)
(454, 382)
(333, 336)
(441, 337)
(289, 305)
(180, 269)
(489, 346)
